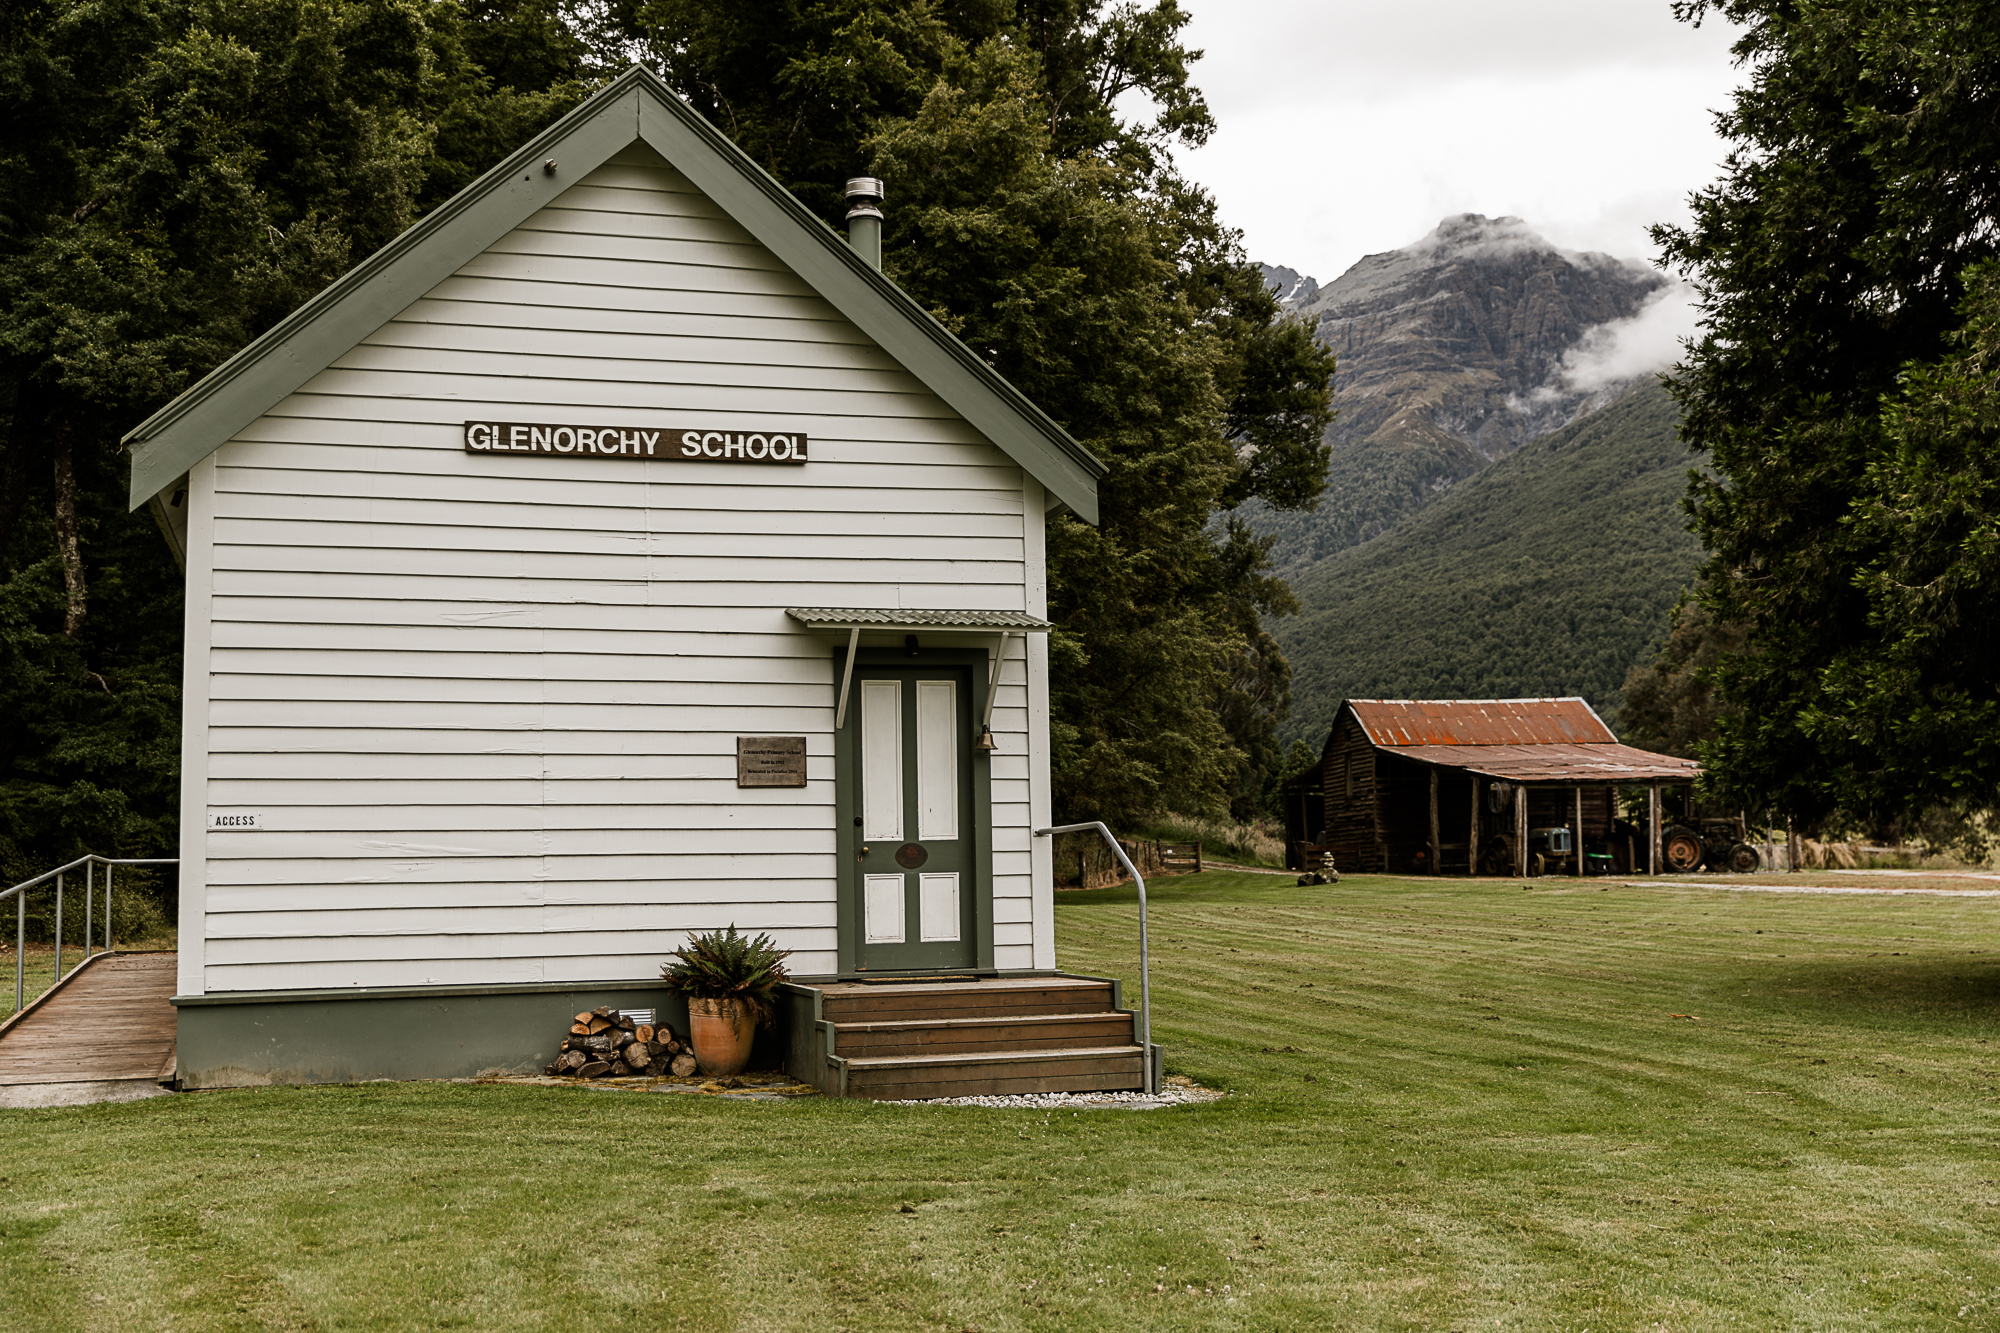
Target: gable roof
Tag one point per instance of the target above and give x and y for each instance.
(1516, 740)
(1393, 723)
(635, 107)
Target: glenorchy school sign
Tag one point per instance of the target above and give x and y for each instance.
(663, 445)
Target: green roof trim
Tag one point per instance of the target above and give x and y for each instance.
(637, 106)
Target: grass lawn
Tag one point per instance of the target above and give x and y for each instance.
(1454, 1106)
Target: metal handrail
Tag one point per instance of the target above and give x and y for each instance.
(1145, 980)
(19, 893)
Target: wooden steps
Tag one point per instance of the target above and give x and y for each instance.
(966, 1038)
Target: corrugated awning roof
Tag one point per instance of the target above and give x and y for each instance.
(821, 617)
(1400, 723)
(1557, 763)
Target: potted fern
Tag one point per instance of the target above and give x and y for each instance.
(730, 982)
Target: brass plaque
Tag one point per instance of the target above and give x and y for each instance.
(770, 761)
(911, 855)
(661, 444)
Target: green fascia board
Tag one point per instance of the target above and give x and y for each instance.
(636, 107)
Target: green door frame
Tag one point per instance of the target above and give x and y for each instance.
(847, 788)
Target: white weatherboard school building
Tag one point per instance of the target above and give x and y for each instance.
(615, 555)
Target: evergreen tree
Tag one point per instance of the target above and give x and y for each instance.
(1851, 505)
(180, 175)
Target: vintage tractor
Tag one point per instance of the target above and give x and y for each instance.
(1711, 844)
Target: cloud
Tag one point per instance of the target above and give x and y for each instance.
(1625, 349)
(1285, 51)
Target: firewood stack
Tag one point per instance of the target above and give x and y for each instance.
(607, 1044)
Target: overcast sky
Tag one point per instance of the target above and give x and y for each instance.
(1349, 127)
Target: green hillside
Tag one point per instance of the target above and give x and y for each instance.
(1550, 572)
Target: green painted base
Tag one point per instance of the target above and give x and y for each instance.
(250, 1040)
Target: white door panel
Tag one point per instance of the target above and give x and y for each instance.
(937, 896)
(882, 760)
(884, 907)
(937, 760)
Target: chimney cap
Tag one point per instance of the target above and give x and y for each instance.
(864, 193)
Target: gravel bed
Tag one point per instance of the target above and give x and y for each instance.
(1177, 1093)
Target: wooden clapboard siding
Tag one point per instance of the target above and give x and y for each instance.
(1353, 826)
(487, 705)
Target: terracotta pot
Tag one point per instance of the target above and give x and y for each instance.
(721, 1031)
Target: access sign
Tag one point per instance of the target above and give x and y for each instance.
(663, 444)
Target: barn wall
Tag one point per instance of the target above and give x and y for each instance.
(487, 706)
(1347, 774)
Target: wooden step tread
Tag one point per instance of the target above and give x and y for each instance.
(993, 1021)
(986, 985)
(898, 1004)
(881, 1062)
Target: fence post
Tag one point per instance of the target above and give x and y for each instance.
(89, 905)
(107, 908)
(20, 944)
(59, 898)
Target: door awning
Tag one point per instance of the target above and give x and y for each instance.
(852, 621)
(980, 622)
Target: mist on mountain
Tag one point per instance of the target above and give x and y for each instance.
(1502, 516)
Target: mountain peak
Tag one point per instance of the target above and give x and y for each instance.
(1454, 350)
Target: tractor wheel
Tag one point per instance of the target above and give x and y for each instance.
(1537, 866)
(1683, 850)
(1744, 860)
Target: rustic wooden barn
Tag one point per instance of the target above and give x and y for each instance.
(1442, 785)
(617, 554)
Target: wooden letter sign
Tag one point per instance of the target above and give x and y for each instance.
(770, 761)
(661, 444)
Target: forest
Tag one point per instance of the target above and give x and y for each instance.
(182, 173)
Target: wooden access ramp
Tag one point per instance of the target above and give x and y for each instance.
(105, 1032)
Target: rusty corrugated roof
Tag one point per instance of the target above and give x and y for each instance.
(1558, 763)
(1396, 723)
(1516, 740)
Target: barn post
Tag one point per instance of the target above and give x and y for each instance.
(1653, 829)
(1521, 828)
(1436, 858)
(1472, 832)
(1576, 832)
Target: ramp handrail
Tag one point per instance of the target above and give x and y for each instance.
(1145, 982)
(19, 893)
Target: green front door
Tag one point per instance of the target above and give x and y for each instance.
(913, 870)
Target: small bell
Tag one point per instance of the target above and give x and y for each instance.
(985, 741)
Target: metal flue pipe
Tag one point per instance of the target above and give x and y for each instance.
(864, 219)
(1145, 979)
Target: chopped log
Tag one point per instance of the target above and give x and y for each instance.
(644, 1032)
(602, 1043)
(619, 1069)
(601, 1011)
(683, 1065)
(638, 1057)
(583, 1017)
(625, 1021)
(580, 1029)
(593, 1069)
(598, 1025)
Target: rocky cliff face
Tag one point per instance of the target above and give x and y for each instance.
(1452, 354)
